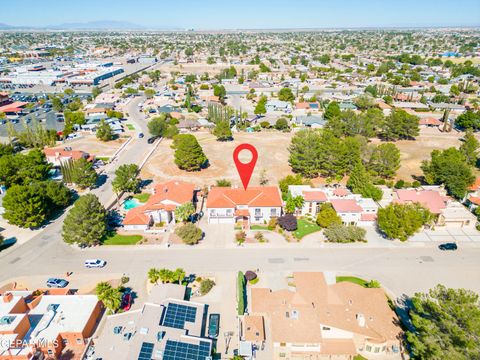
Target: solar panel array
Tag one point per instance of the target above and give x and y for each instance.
(146, 351)
(176, 350)
(176, 315)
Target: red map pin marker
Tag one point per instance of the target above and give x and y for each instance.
(245, 170)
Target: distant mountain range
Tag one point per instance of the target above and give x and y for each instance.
(90, 25)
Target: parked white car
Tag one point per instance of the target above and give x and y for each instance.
(95, 263)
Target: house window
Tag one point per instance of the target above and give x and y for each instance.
(326, 328)
(258, 212)
(283, 344)
(368, 348)
(273, 212)
(50, 352)
(377, 349)
(229, 212)
(212, 212)
(65, 341)
(79, 341)
(282, 355)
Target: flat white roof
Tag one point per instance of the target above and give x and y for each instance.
(70, 315)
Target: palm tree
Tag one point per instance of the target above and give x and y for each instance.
(112, 299)
(179, 275)
(153, 275)
(165, 275)
(101, 289)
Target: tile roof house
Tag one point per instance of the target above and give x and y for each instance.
(161, 205)
(323, 321)
(58, 156)
(448, 211)
(51, 322)
(352, 208)
(256, 205)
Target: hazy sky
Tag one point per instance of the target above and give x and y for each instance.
(231, 14)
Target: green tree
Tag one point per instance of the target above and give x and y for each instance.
(149, 93)
(189, 233)
(96, 91)
(400, 221)
(25, 206)
(85, 223)
(290, 180)
(469, 147)
(20, 169)
(449, 167)
(260, 108)
(332, 111)
(222, 130)
(281, 124)
(58, 195)
(327, 216)
(400, 125)
(153, 275)
(83, 174)
(286, 94)
(104, 131)
(304, 151)
(468, 120)
(364, 101)
(112, 299)
(126, 179)
(359, 182)
(445, 324)
(57, 104)
(157, 126)
(293, 203)
(241, 294)
(219, 90)
(184, 211)
(384, 160)
(188, 155)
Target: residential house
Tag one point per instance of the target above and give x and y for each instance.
(58, 156)
(319, 320)
(448, 212)
(312, 121)
(277, 105)
(313, 198)
(46, 323)
(166, 327)
(256, 205)
(160, 207)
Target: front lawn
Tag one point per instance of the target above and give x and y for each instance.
(258, 227)
(143, 197)
(113, 238)
(352, 279)
(305, 227)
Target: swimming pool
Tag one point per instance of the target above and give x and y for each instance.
(131, 204)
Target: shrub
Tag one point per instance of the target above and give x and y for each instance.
(254, 281)
(206, 285)
(272, 224)
(327, 216)
(416, 184)
(345, 234)
(288, 222)
(240, 237)
(223, 183)
(399, 184)
(259, 237)
(265, 124)
(189, 233)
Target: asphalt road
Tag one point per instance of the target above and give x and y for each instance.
(403, 270)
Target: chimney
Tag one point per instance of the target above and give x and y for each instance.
(7, 297)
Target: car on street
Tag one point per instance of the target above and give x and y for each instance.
(140, 135)
(126, 301)
(95, 263)
(151, 140)
(213, 325)
(448, 246)
(57, 283)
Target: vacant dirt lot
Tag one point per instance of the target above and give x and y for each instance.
(92, 145)
(272, 156)
(413, 152)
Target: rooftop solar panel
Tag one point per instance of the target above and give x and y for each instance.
(177, 315)
(146, 351)
(176, 350)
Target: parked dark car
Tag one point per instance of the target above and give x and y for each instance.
(151, 140)
(126, 301)
(213, 325)
(448, 246)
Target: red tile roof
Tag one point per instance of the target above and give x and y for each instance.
(316, 195)
(177, 191)
(476, 185)
(346, 206)
(13, 107)
(474, 199)
(62, 153)
(262, 196)
(368, 217)
(432, 200)
(137, 216)
(430, 121)
(340, 192)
